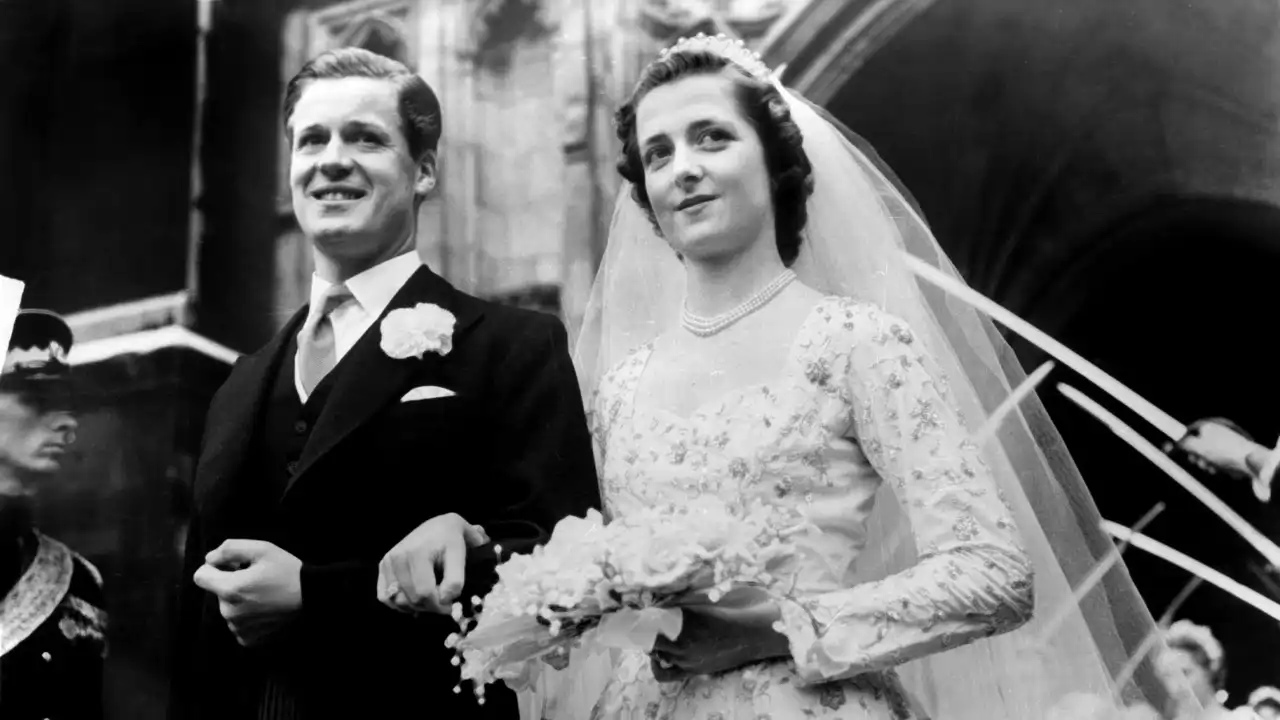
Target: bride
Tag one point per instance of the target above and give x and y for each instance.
(754, 333)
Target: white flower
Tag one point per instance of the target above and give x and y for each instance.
(638, 566)
(412, 332)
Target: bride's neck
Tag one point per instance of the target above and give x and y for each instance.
(718, 286)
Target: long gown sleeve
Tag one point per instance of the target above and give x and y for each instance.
(972, 580)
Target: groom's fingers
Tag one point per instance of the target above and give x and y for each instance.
(422, 570)
(455, 572)
(236, 554)
(211, 579)
(403, 577)
(205, 577)
(385, 575)
(475, 535)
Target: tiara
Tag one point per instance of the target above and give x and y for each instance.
(732, 49)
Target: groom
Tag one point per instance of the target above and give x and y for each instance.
(392, 412)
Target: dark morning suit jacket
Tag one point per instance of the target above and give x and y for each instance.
(340, 480)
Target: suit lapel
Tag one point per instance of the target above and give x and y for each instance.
(230, 437)
(369, 379)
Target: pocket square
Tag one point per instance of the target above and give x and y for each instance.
(427, 392)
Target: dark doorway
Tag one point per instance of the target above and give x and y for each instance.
(1175, 302)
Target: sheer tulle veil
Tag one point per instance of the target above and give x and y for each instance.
(859, 227)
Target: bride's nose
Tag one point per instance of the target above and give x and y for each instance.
(688, 171)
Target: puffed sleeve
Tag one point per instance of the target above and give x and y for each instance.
(972, 580)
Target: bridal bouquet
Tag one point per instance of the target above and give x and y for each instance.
(619, 584)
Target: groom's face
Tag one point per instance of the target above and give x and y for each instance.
(352, 176)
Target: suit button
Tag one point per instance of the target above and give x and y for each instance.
(292, 467)
(300, 427)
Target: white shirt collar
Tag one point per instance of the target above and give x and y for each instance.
(374, 288)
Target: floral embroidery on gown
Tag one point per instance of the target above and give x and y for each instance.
(854, 407)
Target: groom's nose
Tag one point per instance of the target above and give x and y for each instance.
(334, 162)
(335, 170)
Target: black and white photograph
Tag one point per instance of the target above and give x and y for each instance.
(639, 359)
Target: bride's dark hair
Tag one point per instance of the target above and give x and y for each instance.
(790, 174)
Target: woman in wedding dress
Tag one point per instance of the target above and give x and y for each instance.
(755, 334)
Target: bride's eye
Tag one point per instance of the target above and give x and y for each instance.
(714, 136)
(654, 154)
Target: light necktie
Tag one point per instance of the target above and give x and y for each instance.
(316, 349)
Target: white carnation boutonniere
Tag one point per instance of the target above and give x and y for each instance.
(415, 331)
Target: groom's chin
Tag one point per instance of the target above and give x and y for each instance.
(337, 238)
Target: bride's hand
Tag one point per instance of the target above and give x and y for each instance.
(717, 639)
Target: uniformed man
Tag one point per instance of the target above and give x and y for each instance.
(52, 617)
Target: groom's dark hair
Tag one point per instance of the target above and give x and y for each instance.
(790, 172)
(419, 108)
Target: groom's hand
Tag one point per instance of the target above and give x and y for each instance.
(258, 586)
(407, 575)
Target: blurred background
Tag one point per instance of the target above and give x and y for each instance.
(1109, 171)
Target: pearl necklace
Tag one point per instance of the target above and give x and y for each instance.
(706, 327)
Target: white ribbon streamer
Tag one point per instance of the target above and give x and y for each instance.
(1251, 534)
(1140, 405)
(1173, 557)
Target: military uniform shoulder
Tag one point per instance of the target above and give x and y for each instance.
(86, 582)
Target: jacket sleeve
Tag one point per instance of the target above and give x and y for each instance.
(542, 460)
(545, 458)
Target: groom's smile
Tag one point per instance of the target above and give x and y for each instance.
(337, 193)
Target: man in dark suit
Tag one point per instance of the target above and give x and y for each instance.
(53, 618)
(392, 412)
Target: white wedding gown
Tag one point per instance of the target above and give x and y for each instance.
(853, 408)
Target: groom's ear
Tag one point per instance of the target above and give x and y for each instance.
(426, 179)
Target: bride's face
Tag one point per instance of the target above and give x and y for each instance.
(704, 168)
